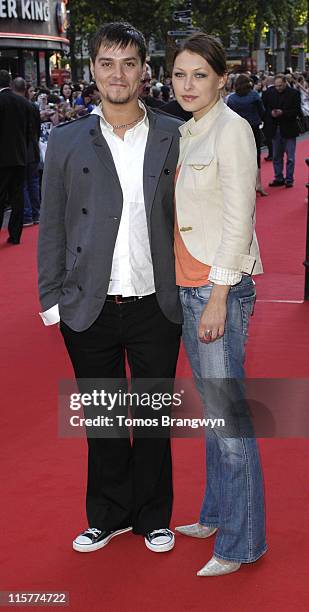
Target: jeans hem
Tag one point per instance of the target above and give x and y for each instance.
(242, 560)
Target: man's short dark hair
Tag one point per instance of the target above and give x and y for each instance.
(118, 34)
(19, 85)
(5, 79)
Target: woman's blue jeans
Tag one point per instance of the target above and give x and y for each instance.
(234, 497)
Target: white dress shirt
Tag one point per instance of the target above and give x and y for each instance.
(132, 269)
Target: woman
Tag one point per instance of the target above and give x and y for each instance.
(66, 93)
(248, 104)
(216, 251)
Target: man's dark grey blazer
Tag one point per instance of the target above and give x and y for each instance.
(80, 215)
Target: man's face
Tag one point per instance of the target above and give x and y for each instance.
(117, 73)
(280, 85)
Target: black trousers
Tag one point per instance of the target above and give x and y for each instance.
(12, 192)
(129, 482)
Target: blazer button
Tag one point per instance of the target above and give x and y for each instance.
(167, 171)
(84, 211)
(79, 249)
(79, 287)
(85, 170)
(92, 132)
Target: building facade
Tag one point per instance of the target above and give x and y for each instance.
(31, 31)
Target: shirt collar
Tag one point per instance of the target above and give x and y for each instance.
(192, 127)
(98, 110)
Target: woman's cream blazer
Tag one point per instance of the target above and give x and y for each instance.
(215, 190)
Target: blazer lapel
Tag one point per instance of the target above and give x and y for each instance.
(102, 149)
(157, 148)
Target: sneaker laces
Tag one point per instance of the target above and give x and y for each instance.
(158, 532)
(93, 530)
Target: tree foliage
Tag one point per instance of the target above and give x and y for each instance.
(251, 17)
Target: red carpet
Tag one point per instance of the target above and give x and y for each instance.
(43, 477)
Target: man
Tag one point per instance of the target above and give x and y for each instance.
(106, 262)
(14, 138)
(32, 181)
(282, 103)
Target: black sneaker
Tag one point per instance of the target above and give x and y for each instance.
(92, 539)
(276, 183)
(160, 540)
(288, 183)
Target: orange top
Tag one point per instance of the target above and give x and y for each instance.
(189, 271)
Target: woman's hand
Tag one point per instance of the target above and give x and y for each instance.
(213, 318)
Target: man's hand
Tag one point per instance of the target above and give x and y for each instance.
(213, 318)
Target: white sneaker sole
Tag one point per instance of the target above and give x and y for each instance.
(162, 548)
(85, 548)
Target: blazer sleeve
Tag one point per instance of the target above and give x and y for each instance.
(52, 241)
(237, 175)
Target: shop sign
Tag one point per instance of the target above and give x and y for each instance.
(28, 10)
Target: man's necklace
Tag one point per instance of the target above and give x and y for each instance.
(125, 125)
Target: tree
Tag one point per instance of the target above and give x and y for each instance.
(216, 17)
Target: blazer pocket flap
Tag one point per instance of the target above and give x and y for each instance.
(70, 259)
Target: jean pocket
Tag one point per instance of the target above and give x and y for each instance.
(203, 293)
(246, 305)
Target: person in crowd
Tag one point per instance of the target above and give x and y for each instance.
(150, 95)
(66, 94)
(247, 103)
(156, 97)
(216, 253)
(32, 181)
(283, 104)
(30, 92)
(14, 139)
(166, 93)
(106, 271)
(49, 113)
(85, 100)
(258, 87)
(267, 127)
(303, 88)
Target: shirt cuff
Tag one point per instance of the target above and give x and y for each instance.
(50, 316)
(224, 276)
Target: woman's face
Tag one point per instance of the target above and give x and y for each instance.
(66, 90)
(31, 92)
(196, 85)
